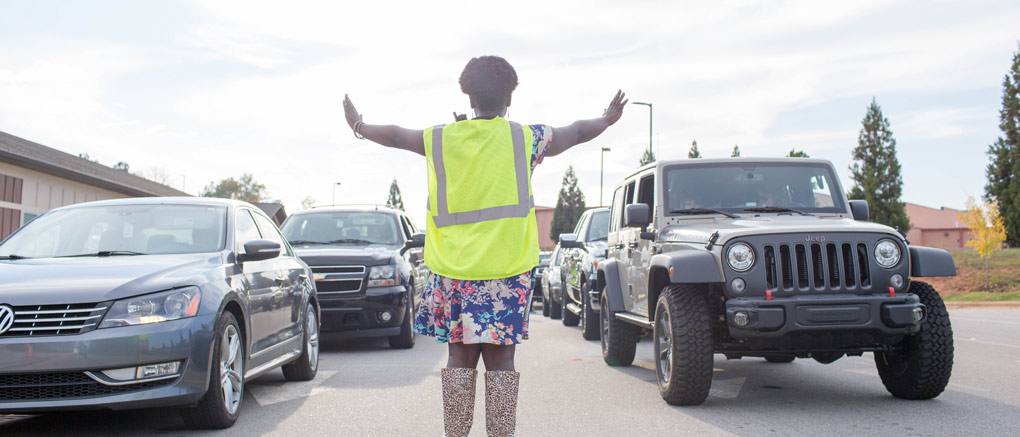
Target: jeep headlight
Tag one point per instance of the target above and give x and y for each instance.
(382, 276)
(153, 308)
(740, 257)
(887, 253)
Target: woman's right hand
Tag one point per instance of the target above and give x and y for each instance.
(350, 113)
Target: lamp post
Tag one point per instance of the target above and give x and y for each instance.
(336, 184)
(602, 165)
(649, 105)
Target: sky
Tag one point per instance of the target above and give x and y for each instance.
(201, 91)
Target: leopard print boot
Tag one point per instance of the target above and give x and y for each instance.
(458, 400)
(501, 402)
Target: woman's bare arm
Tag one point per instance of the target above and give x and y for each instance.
(387, 135)
(582, 131)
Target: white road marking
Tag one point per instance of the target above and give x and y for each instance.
(989, 343)
(727, 388)
(289, 391)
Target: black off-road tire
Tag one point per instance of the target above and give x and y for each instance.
(555, 310)
(305, 368)
(619, 338)
(405, 340)
(921, 369)
(590, 328)
(211, 413)
(689, 325)
(780, 358)
(569, 318)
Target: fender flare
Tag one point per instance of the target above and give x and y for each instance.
(689, 267)
(609, 284)
(930, 261)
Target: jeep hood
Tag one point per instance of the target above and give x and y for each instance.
(53, 281)
(368, 255)
(697, 231)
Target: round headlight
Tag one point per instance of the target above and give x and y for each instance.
(740, 257)
(887, 253)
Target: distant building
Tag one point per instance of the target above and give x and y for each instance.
(936, 227)
(35, 179)
(275, 211)
(544, 216)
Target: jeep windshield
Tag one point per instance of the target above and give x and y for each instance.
(341, 228)
(744, 187)
(120, 230)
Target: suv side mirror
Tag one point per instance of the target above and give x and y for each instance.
(859, 209)
(570, 241)
(258, 250)
(636, 216)
(417, 240)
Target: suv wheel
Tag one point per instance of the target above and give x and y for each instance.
(405, 340)
(683, 345)
(221, 404)
(619, 338)
(555, 310)
(305, 367)
(546, 301)
(589, 322)
(920, 368)
(569, 318)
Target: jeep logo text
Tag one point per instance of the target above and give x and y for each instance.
(814, 238)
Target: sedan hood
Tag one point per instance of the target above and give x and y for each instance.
(370, 255)
(54, 281)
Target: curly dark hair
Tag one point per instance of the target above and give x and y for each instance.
(489, 80)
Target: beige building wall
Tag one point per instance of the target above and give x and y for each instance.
(42, 192)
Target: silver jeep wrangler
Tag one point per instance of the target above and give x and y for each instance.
(765, 258)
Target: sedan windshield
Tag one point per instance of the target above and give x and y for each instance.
(742, 187)
(121, 230)
(342, 228)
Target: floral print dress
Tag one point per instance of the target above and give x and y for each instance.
(491, 311)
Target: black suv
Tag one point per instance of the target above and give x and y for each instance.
(765, 258)
(582, 251)
(367, 262)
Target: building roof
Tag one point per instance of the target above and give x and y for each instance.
(274, 210)
(24, 153)
(923, 217)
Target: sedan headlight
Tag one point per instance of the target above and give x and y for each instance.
(887, 253)
(153, 308)
(740, 256)
(382, 276)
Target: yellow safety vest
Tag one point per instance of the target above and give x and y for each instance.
(481, 222)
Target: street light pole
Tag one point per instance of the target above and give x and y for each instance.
(649, 105)
(334, 193)
(601, 170)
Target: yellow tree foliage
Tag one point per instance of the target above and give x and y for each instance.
(987, 227)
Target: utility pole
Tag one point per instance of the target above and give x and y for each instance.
(334, 193)
(601, 171)
(649, 105)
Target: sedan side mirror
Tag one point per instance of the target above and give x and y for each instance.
(417, 240)
(859, 209)
(637, 216)
(258, 250)
(570, 241)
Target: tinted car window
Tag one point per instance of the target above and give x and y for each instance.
(149, 229)
(617, 210)
(598, 229)
(269, 232)
(733, 187)
(245, 229)
(342, 227)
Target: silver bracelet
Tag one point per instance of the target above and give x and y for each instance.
(357, 128)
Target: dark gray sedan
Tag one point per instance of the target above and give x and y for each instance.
(154, 302)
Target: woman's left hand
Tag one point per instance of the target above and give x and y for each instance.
(350, 113)
(615, 109)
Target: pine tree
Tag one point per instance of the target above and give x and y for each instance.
(1004, 169)
(647, 157)
(794, 153)
(876, 171)
(394, 200)
(694, 152)
(736, 151)
(569, 206)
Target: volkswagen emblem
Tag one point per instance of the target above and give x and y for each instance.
(6, 318)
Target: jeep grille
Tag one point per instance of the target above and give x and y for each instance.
(817, 265)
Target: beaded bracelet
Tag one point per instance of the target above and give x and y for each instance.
(357, 128)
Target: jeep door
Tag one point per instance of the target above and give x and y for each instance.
(626, 242)
(641, 249)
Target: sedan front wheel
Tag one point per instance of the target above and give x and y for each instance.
(221, 404)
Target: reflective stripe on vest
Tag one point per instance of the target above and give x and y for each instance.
(444, 218)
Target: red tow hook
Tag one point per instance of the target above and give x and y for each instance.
(768, 294)
(892, 292)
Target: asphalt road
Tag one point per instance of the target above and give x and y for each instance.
(363, 388)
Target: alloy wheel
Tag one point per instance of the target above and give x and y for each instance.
(231, 366)
(604, 320)
(313, 339)
(664, 337)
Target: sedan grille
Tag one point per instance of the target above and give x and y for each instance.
(69, 385)
(817, 265)
(36, 320)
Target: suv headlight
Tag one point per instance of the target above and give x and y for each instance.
(153, 308)
(740, 257)
(887, 253)
(382, 276)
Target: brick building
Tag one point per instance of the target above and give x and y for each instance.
(936, 227)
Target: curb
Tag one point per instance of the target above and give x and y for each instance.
(960, 305)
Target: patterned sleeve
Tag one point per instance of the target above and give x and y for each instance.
(543, 136)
